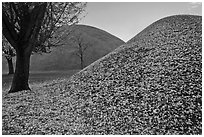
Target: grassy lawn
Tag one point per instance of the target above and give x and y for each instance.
(38, 77)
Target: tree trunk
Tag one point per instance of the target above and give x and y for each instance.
(10, 65)
(21, 75)
(82, 61)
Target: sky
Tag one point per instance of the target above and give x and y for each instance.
(126, 19)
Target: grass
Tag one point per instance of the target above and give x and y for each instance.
(37, 77)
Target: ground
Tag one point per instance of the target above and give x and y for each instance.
(38, 77)
(33, 112)
(150, 86)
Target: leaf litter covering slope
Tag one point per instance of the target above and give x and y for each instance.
(42, 111)
(152, 85)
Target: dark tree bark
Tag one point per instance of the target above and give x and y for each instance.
(10, 54)
(23, 41)
(82, 61)
(81, 55)
(10, 66)
(21, 75)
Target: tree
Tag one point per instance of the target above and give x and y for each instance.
(8, 53)
(29, 26)
(81, 46)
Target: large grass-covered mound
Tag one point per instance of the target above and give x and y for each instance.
(151, 85)
(65, 57)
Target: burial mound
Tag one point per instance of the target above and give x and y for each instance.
(151, 85)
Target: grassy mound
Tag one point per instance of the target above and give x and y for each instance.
(65, 57)
(151, 85)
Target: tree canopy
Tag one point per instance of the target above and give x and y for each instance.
(55, 14)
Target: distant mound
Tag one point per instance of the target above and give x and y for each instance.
(64, 57)
(152, 85)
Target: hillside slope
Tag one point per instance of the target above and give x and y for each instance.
(64, 57)
(152, 85)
